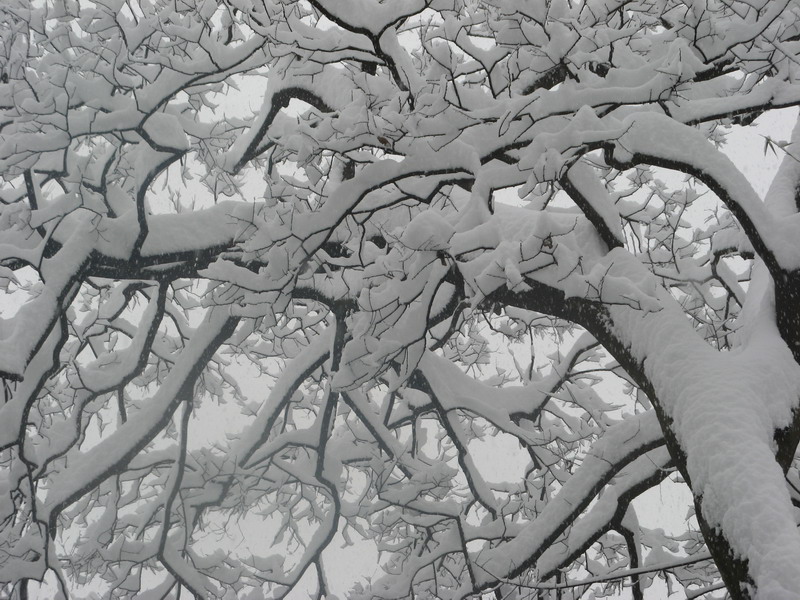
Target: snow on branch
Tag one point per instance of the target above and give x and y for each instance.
(452, 282)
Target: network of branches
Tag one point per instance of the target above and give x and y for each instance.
(452, 281)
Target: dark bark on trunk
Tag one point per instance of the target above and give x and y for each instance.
(787, 317)
(735, 572)
(593, 316)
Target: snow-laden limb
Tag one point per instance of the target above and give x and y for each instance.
(14, 410)
(733, 32)
(781, 197)
(291, 378)
(743, 407)
(280, 92)
(370, 17)
(504, 406)
(608, 512)
(657, 344)
(187, 574)
(458, 434)
(183, 570)
(622, 444)
(111, 369)
(593, 199)
(20, 337)
(251, 453)
(686, 149)
(86, 469)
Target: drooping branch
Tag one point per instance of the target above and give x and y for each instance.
(86, 470)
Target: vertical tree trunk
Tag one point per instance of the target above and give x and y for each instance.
(734, 571)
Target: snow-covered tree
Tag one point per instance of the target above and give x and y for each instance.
(289, 271)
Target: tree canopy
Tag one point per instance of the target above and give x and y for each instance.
(276, 270)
